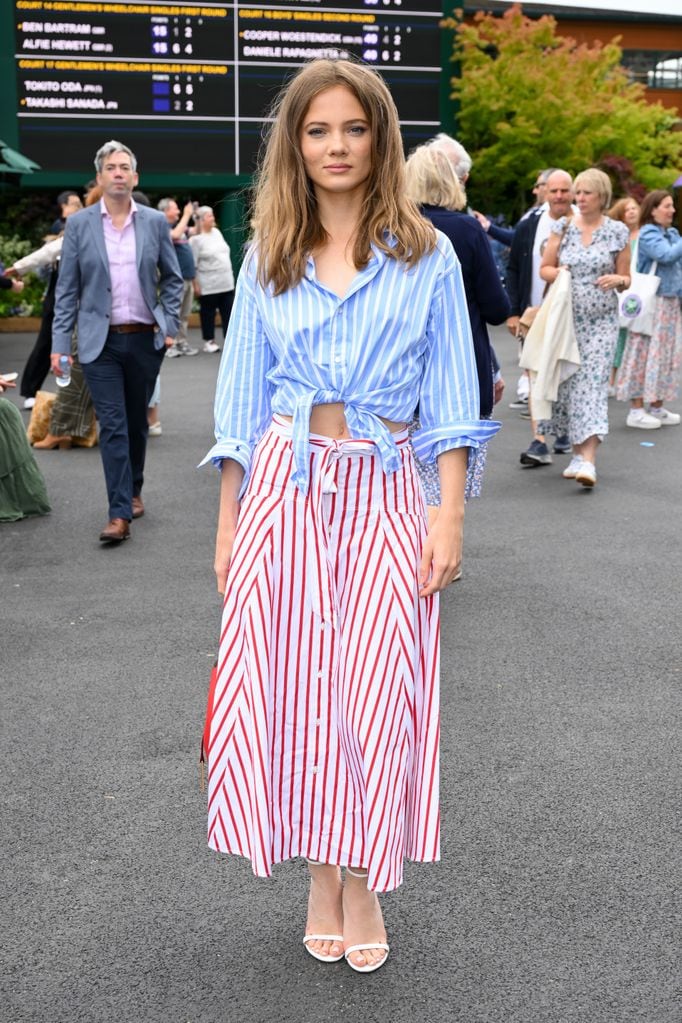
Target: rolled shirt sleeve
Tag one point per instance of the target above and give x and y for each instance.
(243, 400)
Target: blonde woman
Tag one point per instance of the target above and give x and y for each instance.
(433, 184)
(349, 310)
(596, 250)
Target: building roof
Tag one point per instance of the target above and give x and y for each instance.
(658, 12)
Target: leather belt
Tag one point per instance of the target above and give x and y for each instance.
(131, 328)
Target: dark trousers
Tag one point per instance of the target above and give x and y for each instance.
(38, 363)
(222, 301)
(121, 382)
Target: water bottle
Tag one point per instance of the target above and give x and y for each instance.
(65, 369)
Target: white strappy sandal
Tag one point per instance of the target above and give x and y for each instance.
(367, 946)
(322, 937)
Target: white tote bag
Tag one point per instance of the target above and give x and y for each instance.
(636, 303)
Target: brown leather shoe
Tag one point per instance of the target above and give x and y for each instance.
(50, 442)
(138, 508)
(115, 531)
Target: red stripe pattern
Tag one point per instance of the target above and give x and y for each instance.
(325, 724)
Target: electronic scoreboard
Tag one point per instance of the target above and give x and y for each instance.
(188, 86)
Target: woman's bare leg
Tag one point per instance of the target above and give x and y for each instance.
(325, 909)
(363, 921)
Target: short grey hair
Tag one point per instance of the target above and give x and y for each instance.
(455, 152)
(113, 147)
(164, 203)
(202, 211)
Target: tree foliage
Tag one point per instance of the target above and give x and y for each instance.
(530, 98)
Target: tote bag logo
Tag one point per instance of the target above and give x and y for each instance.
(631, 306)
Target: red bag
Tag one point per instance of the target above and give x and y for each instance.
(205, 739)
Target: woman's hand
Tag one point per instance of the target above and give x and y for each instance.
(609, 282)
(442, 551)
(231, 478)
(483, 220)
(223, 552)
(441, 554)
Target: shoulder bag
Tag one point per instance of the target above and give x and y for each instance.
(636, 303)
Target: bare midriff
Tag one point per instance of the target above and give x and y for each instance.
(330, 421)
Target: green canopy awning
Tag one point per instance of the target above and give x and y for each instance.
(12, 162)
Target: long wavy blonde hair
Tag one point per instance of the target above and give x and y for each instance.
(286, 222)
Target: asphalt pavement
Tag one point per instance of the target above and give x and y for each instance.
(557, 898)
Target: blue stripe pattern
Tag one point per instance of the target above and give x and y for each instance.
(399, 336)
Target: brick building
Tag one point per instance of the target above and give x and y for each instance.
(651, 42)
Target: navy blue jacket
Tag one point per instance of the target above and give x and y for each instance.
(486, 298)
(519, 278)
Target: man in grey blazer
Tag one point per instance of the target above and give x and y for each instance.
(121, 286)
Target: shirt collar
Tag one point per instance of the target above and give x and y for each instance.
(377, 257)
(105, 212)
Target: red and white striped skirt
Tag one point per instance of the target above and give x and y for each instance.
(325, 721)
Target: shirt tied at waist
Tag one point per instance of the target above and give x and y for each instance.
(360, 422)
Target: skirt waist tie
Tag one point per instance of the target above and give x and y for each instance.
(324, 465)
(324, 482)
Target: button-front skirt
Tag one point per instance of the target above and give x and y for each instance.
(325, 720)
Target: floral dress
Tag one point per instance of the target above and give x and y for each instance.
(581, 408)
(652, 364)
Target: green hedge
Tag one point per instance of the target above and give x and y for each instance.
(28, 302)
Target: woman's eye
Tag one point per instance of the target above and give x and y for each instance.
(315, 133)
(357, 129)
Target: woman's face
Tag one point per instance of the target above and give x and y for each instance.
(336, 143)
(587, 201)
(208, 221)
(631, 214)
(663, 213)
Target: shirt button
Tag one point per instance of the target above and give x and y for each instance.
(320, 674)
(318, 723)
(314, 770)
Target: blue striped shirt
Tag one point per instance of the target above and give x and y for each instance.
(399, 336)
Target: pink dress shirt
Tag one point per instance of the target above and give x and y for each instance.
(127, 302)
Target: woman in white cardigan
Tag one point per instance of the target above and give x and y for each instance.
(214, 282)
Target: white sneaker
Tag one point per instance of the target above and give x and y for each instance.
(29, 402)
(640, 419)
(664, 417)
(211, 346)
(155, 430)
(586, 474)
(571, 470)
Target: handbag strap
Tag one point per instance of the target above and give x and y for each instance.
(634, 252)
(633, 260)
